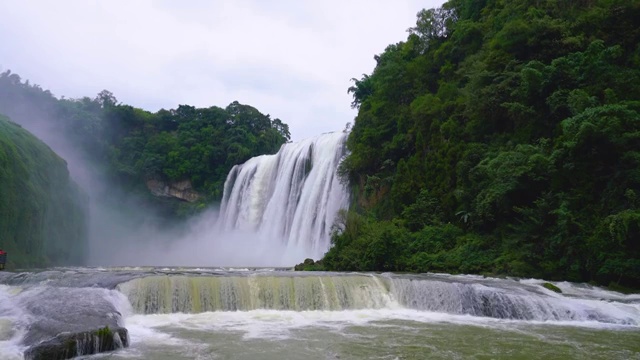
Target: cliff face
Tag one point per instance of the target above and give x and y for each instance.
(182, 190)
(42, 211)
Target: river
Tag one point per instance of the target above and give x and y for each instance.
(215, 313)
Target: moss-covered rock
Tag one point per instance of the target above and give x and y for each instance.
(69, 345)
(552, 287)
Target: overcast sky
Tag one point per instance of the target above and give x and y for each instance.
(291, 59)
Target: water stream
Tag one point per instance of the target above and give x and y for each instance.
(213, 313)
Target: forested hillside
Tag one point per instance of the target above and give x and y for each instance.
(137, 152)
(42, 211)
(502, 137)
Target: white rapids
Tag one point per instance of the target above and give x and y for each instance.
(202, 313)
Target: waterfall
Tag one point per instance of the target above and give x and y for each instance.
(481, 300)
(170, 294)
(501, 299)
(290, 199)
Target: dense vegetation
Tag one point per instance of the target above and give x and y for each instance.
(502, 137)
(42, 211)
(127, 146)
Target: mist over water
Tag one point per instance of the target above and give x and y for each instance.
(116, 219)
(276, 210)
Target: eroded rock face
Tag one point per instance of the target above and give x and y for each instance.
(182, 190)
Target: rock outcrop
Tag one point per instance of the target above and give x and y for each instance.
(70, 322)
(70, 345)
(182, 190)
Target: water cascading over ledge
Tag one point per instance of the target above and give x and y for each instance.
(195, 294)
(289, 199)
(501, 299)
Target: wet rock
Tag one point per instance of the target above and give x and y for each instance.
(69, 345)
(71, 321)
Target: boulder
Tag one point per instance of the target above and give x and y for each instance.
(69, 345)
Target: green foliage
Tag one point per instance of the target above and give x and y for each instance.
(503, 138)
(310, 265)
(42, 212)
(128, 146)
(200, 145)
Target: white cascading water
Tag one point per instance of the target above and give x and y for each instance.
(455, 295)
(289, 199)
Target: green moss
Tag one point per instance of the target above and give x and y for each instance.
(104, 332)
(71, 346)
(552, 287)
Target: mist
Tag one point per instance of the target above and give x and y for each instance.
(200, 243)
(122, 232)
(115, 218)
(276, 210)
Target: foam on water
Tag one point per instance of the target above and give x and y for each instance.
(588, 291)
(279, 325)
(12, 324)
(374, 332)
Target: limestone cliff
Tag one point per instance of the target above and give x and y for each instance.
(182, 190)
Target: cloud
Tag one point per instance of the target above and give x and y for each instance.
(291, 59)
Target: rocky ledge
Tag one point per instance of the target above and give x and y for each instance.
(70, 345)
(182, 190)
(69, 322)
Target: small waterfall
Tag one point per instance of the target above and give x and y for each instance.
(504, 300)
(479, 300)
(501, 299)
(186, 294)
(289, 199)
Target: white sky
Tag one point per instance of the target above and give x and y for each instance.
(291, 59)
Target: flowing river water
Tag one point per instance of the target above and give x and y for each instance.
(210, 313)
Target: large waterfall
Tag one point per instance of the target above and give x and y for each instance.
(288, 200)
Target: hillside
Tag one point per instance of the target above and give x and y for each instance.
(171, 162)
(42, 211)
(502, 137)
